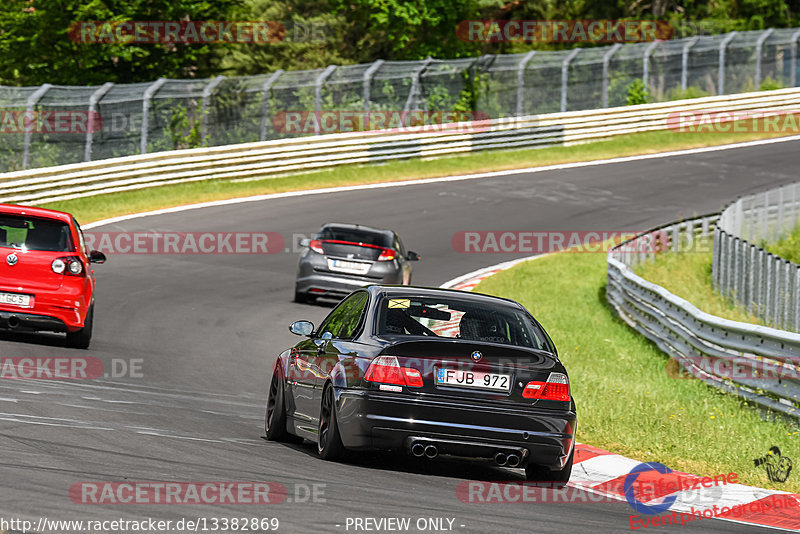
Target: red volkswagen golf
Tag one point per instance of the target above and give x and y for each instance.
(46, 283)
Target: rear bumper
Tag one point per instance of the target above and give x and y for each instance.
(338, 285)
(370, 420)
(28, 322)
(66, 306)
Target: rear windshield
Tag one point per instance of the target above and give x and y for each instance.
(32, 233)
(353, 235)
(459, 319)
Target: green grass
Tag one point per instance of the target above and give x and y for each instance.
(688, 275)
(627, 402)
(104, 206)
(787, 248)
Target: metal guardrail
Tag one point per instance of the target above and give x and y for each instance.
(766, 284)
(166, 114)
(271, 158)
(704, 345)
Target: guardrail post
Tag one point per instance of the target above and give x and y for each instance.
(768, 275)
(265, 93)
(646, 62)
(324, 75)
(796, 299)
(685, 62)
(736, 267)
(146, 98)
(751, 268)
(715, 259)
(415, 85)
(93, 101)
(793, 48)
(521, 80)
(564, 72)
(606, 60)
(368, 75)
(721, 74)
(30, 104)
(786, 292)
(759, 45)
(207, 92)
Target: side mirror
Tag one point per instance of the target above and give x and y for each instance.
(413, 256)
(302, 328)
(96, 256)
(303, 242)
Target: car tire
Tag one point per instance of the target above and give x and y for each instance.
(83, 337)
(275, 416)
(540, 473)
(329, 441)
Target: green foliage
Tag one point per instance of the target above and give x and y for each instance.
(787, 248)
(37, 47)
(637, 93)
(184, 129)
(770, 85)
(690, 92)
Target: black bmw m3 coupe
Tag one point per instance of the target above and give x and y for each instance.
(427, 372)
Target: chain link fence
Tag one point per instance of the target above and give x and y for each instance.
(172, 114)
(766, 284)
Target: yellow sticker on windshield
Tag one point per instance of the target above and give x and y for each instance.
(399, 303)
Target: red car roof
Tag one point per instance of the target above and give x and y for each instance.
(13, 209)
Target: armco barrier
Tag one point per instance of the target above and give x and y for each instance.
(271, 158)
(698, 340)
(766, 284)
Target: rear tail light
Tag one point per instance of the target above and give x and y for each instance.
(316, 246)
(68, 265)
(387, 370)
(556, 388)
(387, 254)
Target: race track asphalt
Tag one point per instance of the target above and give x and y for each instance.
(205, 330)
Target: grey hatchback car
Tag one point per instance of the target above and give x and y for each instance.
(343, 257)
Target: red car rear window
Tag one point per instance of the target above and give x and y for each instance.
(33, 233)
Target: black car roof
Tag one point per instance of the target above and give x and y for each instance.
(389, 291)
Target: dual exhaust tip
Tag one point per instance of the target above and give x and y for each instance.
(507, 460)
(429, 451)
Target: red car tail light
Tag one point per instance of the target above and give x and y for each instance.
(387, 370)
(316, 246)
(68, 265)
(556, 388)
(387, 254)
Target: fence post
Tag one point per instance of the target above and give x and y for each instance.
(715, 259)
(606, 61)
(564, 71)
(415, 85)
(90, 122)
(751, 279)
(796, 299)
(793, 74)
(759, 46)
(368, 74)
(734, 254)
(265, 89)
(207, 92)
(786, 292)
(646, 62)
(521, 80)
(324, 75)
(721, 74)
(148, 95)
(32, 101)
(685, 62)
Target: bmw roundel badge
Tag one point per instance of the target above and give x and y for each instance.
(476, 356)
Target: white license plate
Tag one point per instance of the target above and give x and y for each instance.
(473, 379)
(352, 267)
(23, 301)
